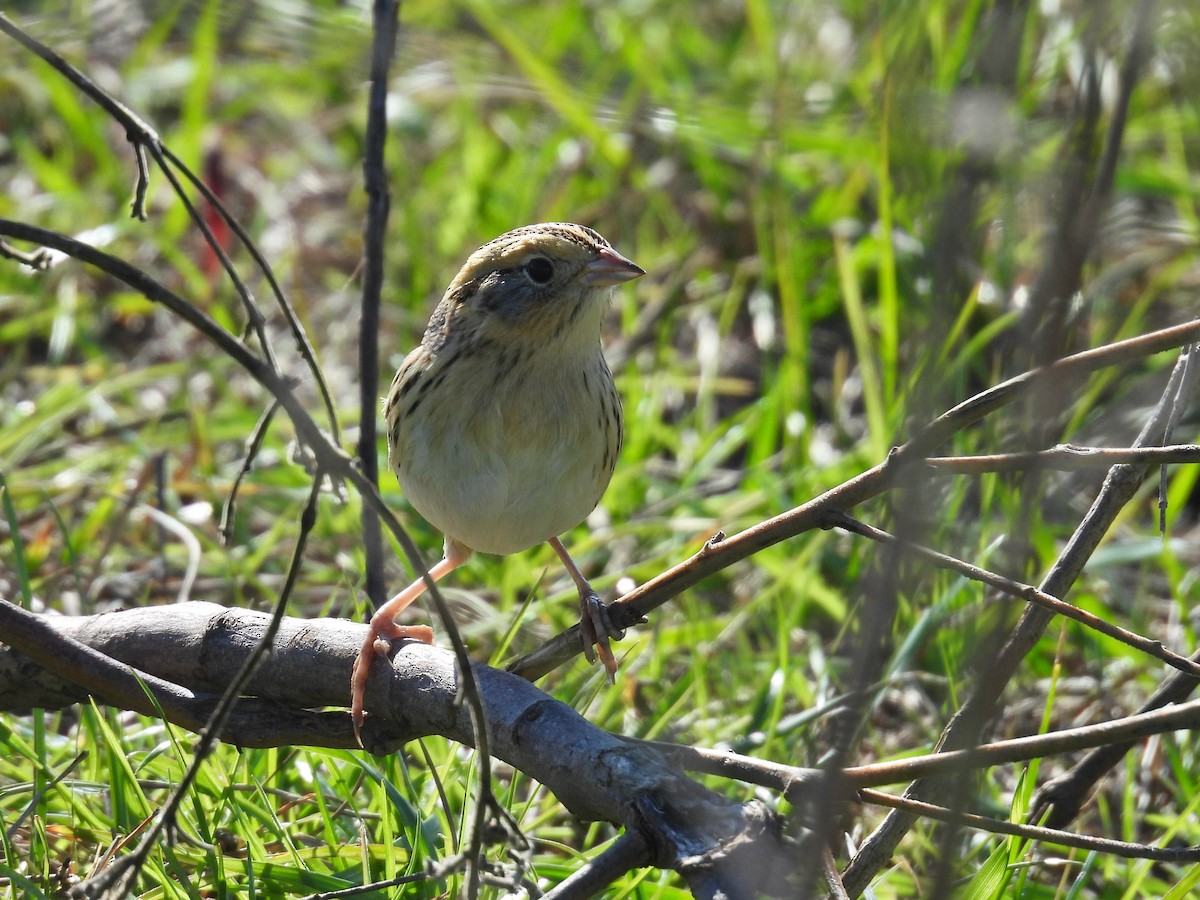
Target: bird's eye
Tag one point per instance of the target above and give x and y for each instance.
(539, 269)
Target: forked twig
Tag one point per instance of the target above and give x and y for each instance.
(1026, 592)
(720, 552)
(145, 139)
(126, 868)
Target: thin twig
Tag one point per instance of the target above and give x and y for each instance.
(253, 445)
(1026, 592)
(38, 260)
(143, 138)
(371, 887)
(720, 552)
(1120, 485)
(439, 785)
(299, 335)
(385, 16)
(1064, 458)
(1069, 367)
(627, 852)
(1187, 390)
(165, 822)
(256, 321)
(794, 781)
(1123, 849)
(833, 878)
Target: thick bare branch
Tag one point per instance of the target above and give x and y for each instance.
(190, 649)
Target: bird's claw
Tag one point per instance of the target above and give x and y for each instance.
(378, 642)
(595, 629)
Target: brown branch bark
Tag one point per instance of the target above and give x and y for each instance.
(1119, 487)
(720, 552)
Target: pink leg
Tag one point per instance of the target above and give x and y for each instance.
(383, 628)
(595, 626)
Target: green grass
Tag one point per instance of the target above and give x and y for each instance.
(781, 172)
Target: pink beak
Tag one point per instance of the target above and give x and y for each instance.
(610, 268)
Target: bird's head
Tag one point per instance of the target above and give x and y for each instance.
(547, 282)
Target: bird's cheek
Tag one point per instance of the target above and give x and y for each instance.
(501, 301)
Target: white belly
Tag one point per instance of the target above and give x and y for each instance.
(512, 466)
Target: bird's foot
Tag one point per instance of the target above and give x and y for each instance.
(595, 629)
(380, 635)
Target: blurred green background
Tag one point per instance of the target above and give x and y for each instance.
(844, 209)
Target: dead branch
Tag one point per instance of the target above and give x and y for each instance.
(192, 648)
